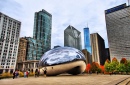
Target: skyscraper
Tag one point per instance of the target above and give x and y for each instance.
(87, 39)
(9, 41)
(40, 43)
(72, 37)
(42, 28)
(118, 31)
(98, 48)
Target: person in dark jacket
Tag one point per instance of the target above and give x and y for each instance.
(13, 74)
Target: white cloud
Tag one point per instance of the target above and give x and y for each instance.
(64, 12)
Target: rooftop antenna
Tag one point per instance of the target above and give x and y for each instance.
(128, 2)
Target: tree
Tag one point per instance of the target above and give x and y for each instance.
(114, 64)
(95, 67)
(107, 65)
(121, 68)
(123, 61)
(102, 68)
(88, 66)
(128, 66)
(107, 61)
(114, 60)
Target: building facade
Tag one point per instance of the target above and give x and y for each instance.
(42, 28)
(29, 54)
(40, 43)
(22, 50)
(72, 37)
(87, 40)
(98, 48)
(118, 31)
(87, 56)
(107, 53)
(9, 42)
(34, 49)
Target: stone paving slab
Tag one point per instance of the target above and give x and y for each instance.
(83, 79)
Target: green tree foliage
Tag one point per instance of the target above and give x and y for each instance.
(95, 67)
(114, 63)
(121, 67)
(128, 66)
(111, 66)
(107, 61)
(107, 65)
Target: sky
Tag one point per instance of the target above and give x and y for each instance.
(77, 13)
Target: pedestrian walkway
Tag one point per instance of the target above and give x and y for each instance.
(125, 82)
(83, 79)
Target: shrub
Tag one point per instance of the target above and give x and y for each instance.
(31, 74)
(95, 67)
(88, 66)
(123, 61)
(121, 68)
(102, 68)
(21, 74)
(6, 75)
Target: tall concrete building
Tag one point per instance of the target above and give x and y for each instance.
(87, 40)
(98, 48)
(72, 37)
(87, 56)
(9, 42)
(42, 28)
(118, 31)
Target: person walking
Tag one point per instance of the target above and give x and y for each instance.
(45, 71)
(27, 74)
(36, 73)
(24, 74)
(13, 74)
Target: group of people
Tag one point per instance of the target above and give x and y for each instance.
(26, 73)
(37, 72)
(15, 74)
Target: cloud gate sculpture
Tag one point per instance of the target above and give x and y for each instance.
(63, 60)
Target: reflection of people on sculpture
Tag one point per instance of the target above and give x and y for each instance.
(45, 71)
(36, 73)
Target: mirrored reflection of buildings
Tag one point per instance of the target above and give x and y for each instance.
(87, 40)
(72, 37)
(98, 48)
(9, 41)
(118, 31)
(40, 43)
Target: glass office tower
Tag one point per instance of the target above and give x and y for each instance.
(72, 37)
(42, 28)
(34, 49)
(87, 40)
(118, 31)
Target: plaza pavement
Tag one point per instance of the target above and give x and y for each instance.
(65, 79)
